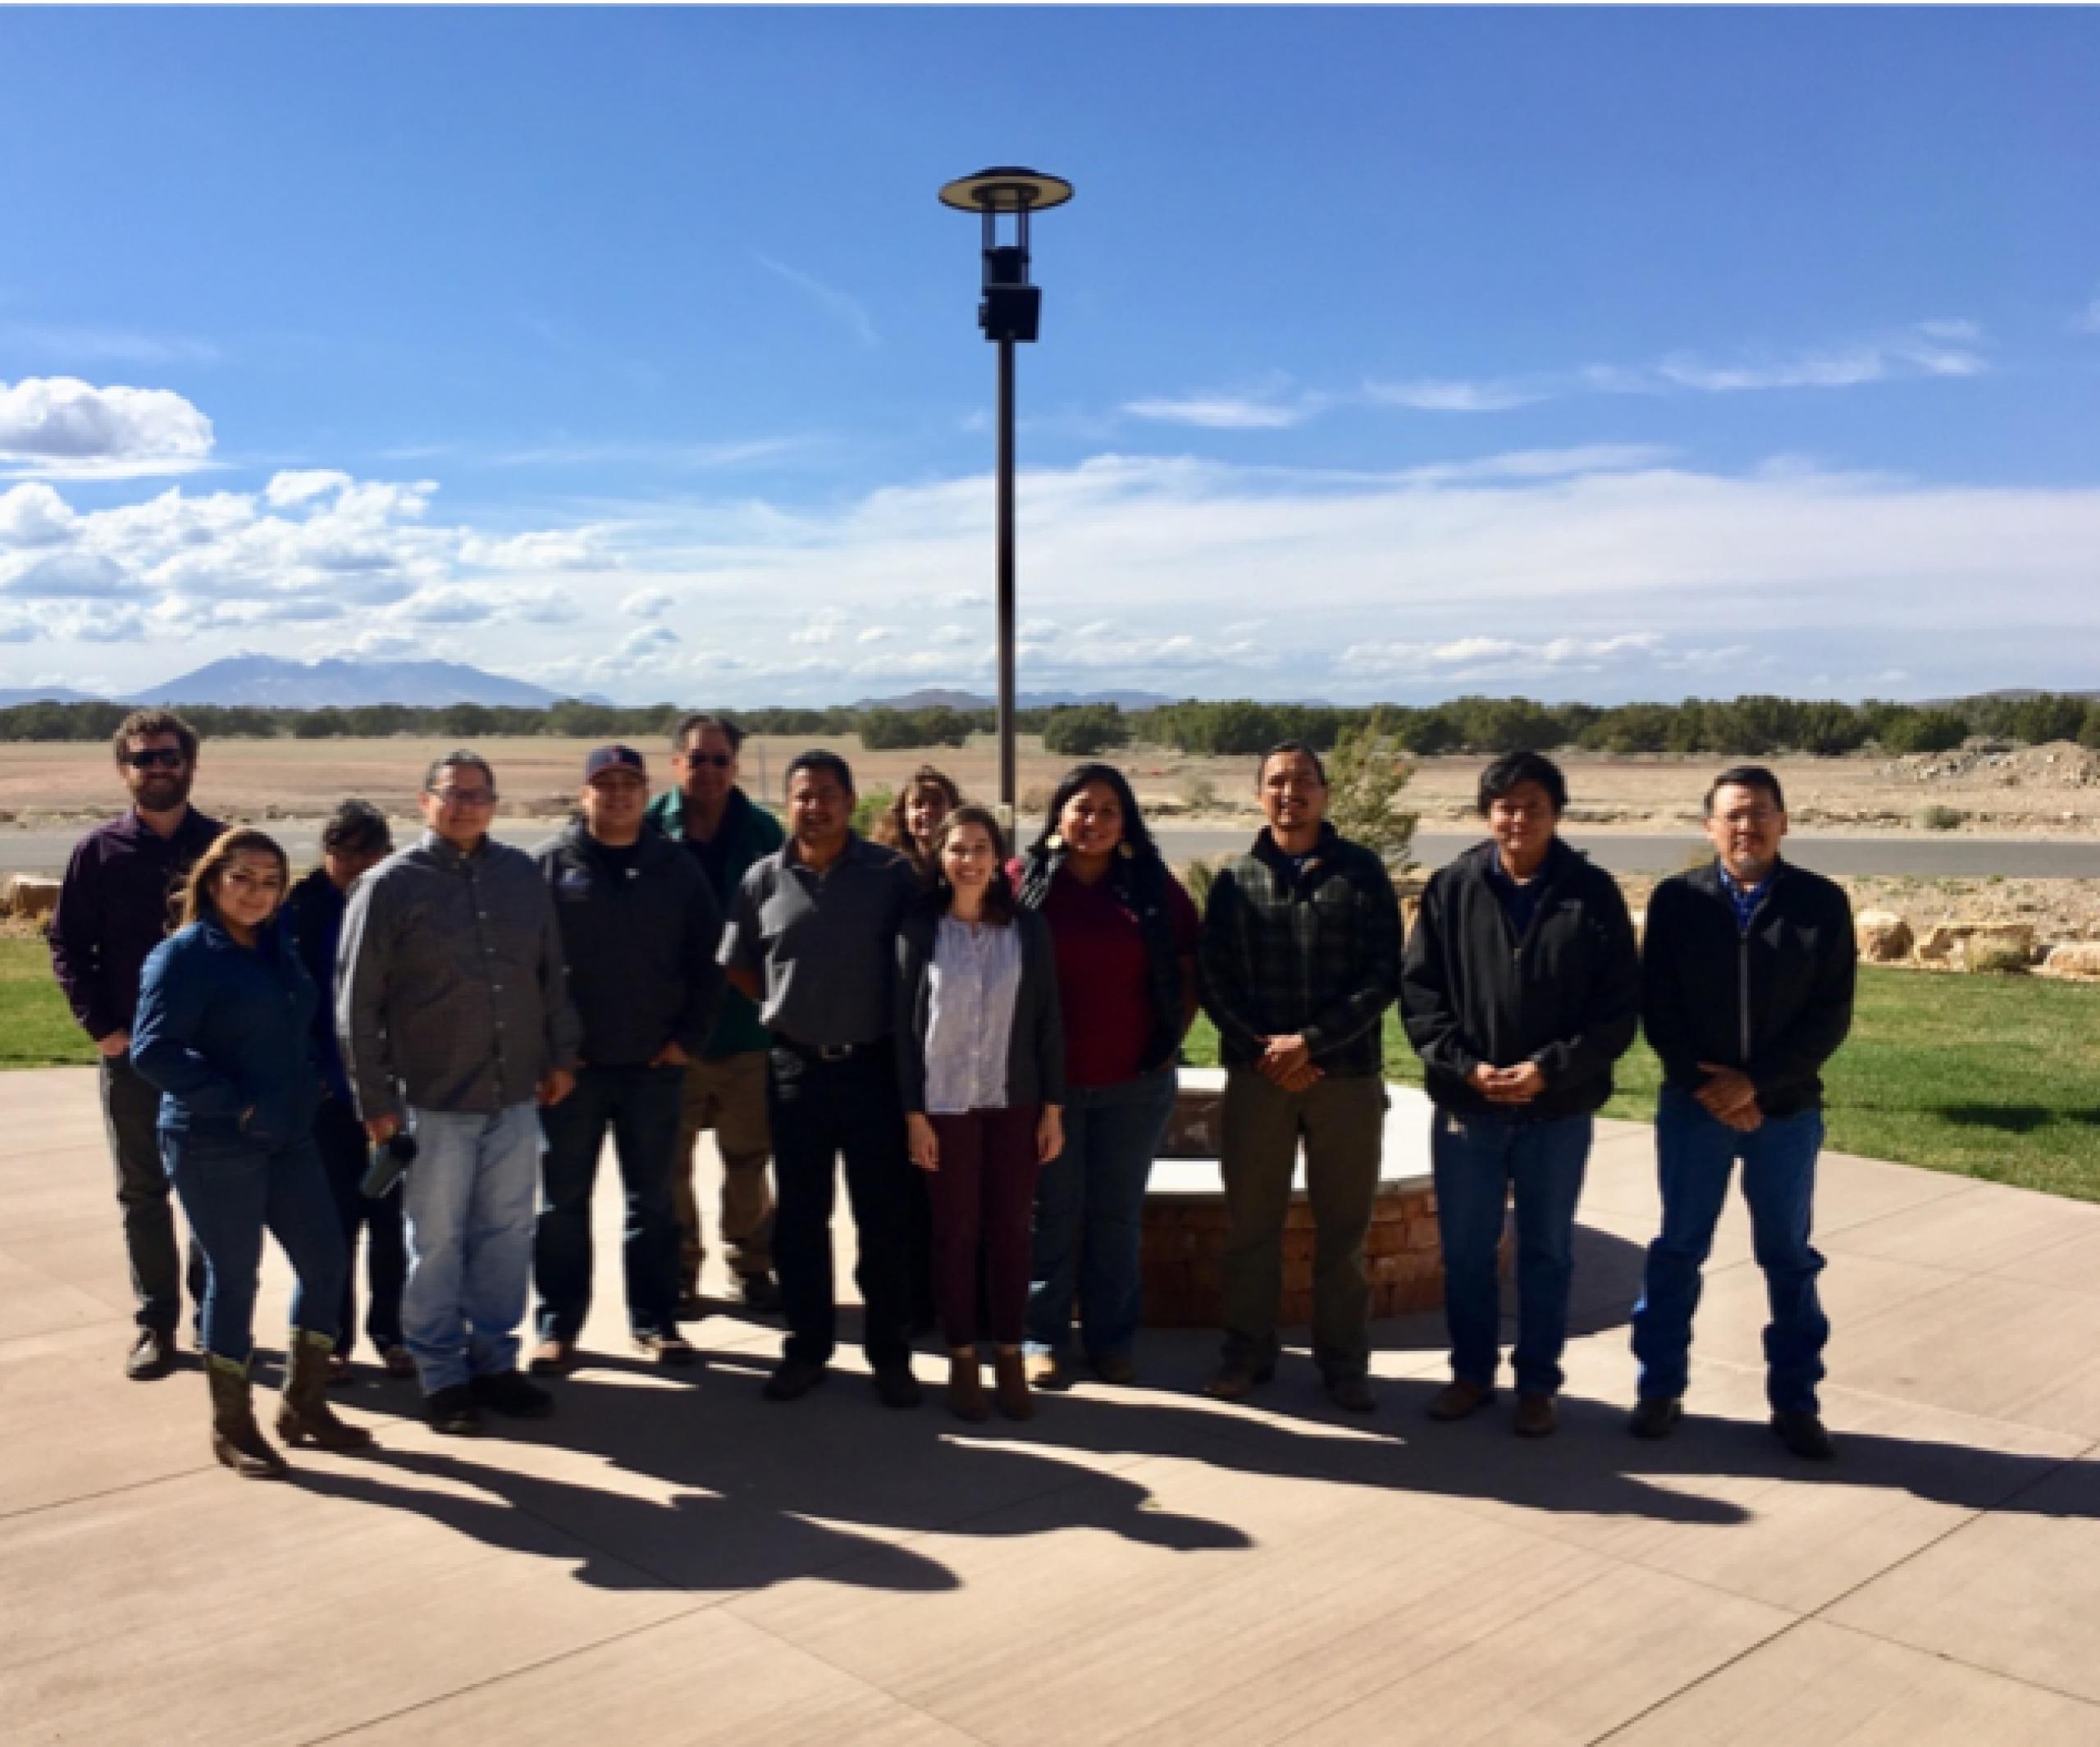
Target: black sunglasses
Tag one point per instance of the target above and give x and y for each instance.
(718, 760)
(157, 758)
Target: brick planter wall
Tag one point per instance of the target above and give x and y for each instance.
(1184, 1243)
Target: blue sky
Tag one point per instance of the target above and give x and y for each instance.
(1386, 353)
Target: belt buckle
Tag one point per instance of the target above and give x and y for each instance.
(834, 1051)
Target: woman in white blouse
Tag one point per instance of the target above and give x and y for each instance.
(981, 1054)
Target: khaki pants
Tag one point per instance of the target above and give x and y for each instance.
(728, 1095)
(1342, 1124)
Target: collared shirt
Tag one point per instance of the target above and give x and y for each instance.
(1519, 898)
(1745, 899)
(113, 910)
(451, 983)
(823, 945)
(975, 980)
(1304, 945)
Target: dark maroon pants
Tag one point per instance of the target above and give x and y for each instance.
(984, 1196)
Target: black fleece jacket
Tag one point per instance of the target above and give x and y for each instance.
(1566, 996)
(1774, 999)
(640, 939)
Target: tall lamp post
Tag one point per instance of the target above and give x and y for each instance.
(1011, 314)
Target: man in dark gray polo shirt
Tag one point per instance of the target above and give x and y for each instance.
(811, 938)
(453, 1009)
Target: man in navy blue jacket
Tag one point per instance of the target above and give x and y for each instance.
(1747, 980)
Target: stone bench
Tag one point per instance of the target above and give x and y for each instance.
(1186, 1222)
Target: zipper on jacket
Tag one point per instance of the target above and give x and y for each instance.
(1742, 988)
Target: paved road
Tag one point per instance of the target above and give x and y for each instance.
(45, 851)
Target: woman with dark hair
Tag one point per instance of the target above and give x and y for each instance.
(1125, 934)
(355, 840)
(225, 1012)
(981, 1063)
(909, 824)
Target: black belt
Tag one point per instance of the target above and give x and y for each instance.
(834, 1051)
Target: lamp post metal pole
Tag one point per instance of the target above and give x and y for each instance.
(1009, 793)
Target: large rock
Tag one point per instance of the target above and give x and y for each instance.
(2075, 958)
(1937, 945)
(1998, 947)
(1884, 936)
(30, 895)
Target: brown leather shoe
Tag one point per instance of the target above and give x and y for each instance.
(1536, 1416)
(303, 1415)
(554, 1358)
(1458, 1398)
(1237, 1379)
(966, 1387)
(1011, 1391)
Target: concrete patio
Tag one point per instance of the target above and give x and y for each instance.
(671, 1560)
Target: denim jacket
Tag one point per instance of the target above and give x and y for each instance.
(225, 1031)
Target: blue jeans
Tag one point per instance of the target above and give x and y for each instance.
(641, 1105)
(231, 1191)
(470, 1199)
(1090, 1216)
(1477, 1160)
(1694, 1154)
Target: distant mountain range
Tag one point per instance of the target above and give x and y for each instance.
(934, 697)
(336, 682)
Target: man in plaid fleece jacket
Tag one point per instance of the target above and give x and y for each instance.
(1300, 958)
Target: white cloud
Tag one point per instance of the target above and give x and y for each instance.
(1271, 411)
(649, 603)
(848, 310)
(302, 487)
(60, 424)
(1429, 396)
(564, 548)
(78, 345)
(33, 515)
(875, 634)
(2089, 320)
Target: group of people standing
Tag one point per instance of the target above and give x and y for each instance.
(986, 1042)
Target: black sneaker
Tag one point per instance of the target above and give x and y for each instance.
(896, 1387)
(152, 1356)
(791, 1379)
(1654, 1417)
(761, 1295)
(508, 1392)
(691, 1307)
(452, 1410)
(1804, 1434)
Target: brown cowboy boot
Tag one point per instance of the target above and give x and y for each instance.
(1010, 1386)
(966, 1387)
(304, 1416)
(237, 1441)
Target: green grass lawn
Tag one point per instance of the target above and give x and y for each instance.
(36, 1026)
(1992, 1077)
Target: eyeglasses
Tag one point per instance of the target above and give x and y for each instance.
(157, 758)
(464, 797)
(713, 760)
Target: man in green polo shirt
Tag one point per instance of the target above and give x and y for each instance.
(725, 833)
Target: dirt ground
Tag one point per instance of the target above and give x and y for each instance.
(2039, 792)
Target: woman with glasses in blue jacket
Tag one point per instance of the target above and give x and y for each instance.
(224, 1031)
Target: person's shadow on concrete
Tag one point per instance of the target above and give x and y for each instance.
(760, 1494)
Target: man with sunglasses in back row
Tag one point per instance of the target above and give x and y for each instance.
(112, 911)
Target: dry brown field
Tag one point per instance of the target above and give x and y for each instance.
(2034, 792)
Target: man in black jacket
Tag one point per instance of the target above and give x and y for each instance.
(639, 929)
(1521, 986)
(1747, 982)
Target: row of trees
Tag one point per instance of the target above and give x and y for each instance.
(1745, 727)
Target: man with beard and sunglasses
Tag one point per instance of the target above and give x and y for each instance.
(113, 909)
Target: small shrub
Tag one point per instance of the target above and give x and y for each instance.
(1199, 877)
(1366, 775)
(1200, 792)
(1994, 958)
(870, 807)
(1937, 817)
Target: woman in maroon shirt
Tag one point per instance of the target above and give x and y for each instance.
(1125, 934)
